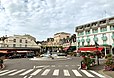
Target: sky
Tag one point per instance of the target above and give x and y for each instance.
(43, 18)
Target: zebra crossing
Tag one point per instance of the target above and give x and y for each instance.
(55, 72)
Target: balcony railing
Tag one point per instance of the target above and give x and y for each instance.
(79, 30)
(87, 28)
(103, 25)
(111, 22)
(94, 26)
(104, 38)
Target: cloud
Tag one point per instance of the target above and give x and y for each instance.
(44, 18)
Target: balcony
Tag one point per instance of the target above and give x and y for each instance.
(94, 26)
(78, 30)
(103, 24)
(111, 22)
(87, 28)
(103, 30)
(95, 39)
(104, 38)
(88, 39)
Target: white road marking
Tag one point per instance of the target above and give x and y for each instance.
(7, 72)
(17, 72)
(59, 65)
(25, 77)
(66, 65)
(87, 73)
(66, 73)
(73, 65)
(28, 71)
(52, 65)
(3, 71)
(79, 68)
(76, 73)
(56, 72)
(30, 77)
(45, 72)
(39, 66)
(36, 72)
(97, 74)
(34, 67)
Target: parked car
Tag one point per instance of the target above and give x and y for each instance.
(62, 54)
(15, 56)
(29, 55)
(45, 55)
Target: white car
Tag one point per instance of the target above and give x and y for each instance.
(45, 55)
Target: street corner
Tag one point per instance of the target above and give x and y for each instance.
(107, 74)
(3, 67)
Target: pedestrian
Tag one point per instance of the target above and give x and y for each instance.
(1, 63)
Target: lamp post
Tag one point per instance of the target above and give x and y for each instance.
(97, 52)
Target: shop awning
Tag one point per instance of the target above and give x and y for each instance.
(87, 49)
(3, 51)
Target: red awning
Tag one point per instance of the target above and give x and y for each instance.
(90, 49)
(3, 51)
(66, 48)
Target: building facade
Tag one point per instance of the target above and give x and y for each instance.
(58, 37)
(20, 41)
(101, 31)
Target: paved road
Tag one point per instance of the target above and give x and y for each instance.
(25, 68)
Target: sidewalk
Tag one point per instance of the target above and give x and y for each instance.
(100, 69)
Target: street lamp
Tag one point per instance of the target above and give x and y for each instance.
(97, 52)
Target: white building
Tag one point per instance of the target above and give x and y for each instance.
(21, 41)
(101, 31)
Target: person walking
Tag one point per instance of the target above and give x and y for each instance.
(1, 63)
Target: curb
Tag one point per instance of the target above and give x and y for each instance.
(3, 67)
(106, 76)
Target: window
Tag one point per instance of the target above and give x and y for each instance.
(112, 33)
(103, 35)
(25, 41)
(104, 42)
(87, 32)
(103, 29)
(20, 40)
(95, 30)
(80, 33)
(25, 45)
(82, 43)
(20, 45)
(14, 45)
(88, 43)
(14, 40)
(111, 27)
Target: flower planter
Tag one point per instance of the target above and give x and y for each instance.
(108, 68)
